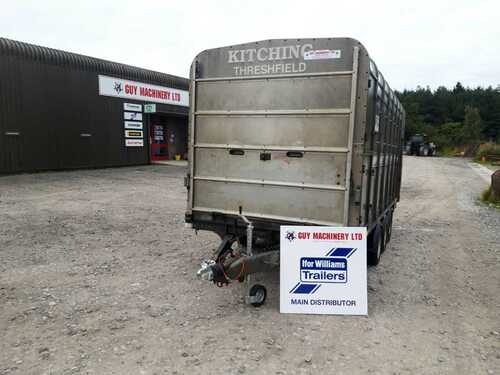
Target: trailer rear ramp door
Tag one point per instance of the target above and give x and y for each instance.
(273, 146)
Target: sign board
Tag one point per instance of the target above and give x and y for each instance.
(149, 108)
(134, 116)
(134, 142)
(322, 54)
(122, 88)
(132, 107)
(133, 125)
(323, 270)
(133, 134)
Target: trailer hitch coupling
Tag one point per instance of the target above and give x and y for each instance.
(228, 267)
(205, 272)
(212, 271)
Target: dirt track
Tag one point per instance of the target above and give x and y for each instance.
(97, 276)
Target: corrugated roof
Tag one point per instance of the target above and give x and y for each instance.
(81, 62)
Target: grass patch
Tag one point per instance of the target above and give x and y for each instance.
(487, 150)
(448, 151)
(488, 198)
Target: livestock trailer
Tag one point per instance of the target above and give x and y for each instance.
(289, 132)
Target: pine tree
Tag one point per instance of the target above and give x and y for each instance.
(472, 125)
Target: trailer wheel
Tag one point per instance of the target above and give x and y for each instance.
(388, 229)
(375, 245)
(257, 295)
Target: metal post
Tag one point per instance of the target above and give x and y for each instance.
(249, 234)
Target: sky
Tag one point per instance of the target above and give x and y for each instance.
(414, 43)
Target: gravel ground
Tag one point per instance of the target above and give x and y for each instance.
(97, 276)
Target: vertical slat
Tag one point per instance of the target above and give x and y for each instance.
(380, 195)
(390, 149)
(385, 185)
(378, 142)
(371, 136)
(191, 135)
(352, 118)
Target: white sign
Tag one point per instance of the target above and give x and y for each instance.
(134, 134)
(323, 270)
(150, 108)
(322, 54)
(132, 107)
(134, 142)
(122, 88)
(134, 116)
(133, 125)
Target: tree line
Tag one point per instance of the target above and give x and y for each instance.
(458, 117)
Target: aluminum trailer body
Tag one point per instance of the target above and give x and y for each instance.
(296, 131)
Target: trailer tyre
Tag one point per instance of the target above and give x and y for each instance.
(388, 229)
(375, 245)
(258, 294)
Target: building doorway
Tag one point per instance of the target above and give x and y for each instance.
(158, 141)
(167, 136)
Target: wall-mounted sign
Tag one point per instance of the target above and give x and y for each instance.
(122, 88)
(132, 107)
(134, 142)
(323, 270)
(133, 134)
(134, 116)
(133, 125)
(149, 108)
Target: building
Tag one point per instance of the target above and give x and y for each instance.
(61, 110)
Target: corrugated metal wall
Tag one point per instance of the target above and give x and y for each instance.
(51, 114)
